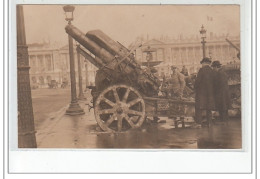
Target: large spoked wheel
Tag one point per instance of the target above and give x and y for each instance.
(119, 108)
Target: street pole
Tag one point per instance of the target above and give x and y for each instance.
(26, 130)
(74, 108)
(203, 37)
(86, 73)
(203, 47)
(81, 95)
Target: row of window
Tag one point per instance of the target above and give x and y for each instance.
(44, 62)
(41, 63)
(184, 55)
(43, 79)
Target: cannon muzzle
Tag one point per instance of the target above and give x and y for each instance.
(89, 44)
(113, 58)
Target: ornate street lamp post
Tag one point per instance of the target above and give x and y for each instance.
(203, 37)
(74, 108)
(26, 131)
(81, 95)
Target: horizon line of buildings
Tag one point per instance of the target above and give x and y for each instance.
(52, 63)
(188, 53)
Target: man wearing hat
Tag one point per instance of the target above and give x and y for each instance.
(222, 96)
(204, 91)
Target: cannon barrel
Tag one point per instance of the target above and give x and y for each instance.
(233, 45)
(114, 57)
(95, 61)
(106, 42)
(89, 44)
(112, 46)
(96, 49)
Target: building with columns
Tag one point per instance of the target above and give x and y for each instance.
(52, 63)
(188, 52)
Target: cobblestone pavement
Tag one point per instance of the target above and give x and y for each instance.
(58, 130)
(46, 103)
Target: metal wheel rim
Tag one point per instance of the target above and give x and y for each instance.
(120, 109)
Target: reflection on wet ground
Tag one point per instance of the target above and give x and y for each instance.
(165, 136)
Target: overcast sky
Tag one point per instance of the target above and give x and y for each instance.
(124, 23)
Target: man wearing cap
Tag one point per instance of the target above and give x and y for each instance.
(222, 96)
(204, 91)
(184, 71)
(176, 83)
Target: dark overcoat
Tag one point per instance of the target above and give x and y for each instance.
(222, 95)
(204, 89)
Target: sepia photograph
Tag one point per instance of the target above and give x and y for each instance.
(129, 76)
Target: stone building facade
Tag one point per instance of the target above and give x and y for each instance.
(51, 63)
(188, 53)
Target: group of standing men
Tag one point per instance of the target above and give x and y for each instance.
(210, 87)
(211, 91)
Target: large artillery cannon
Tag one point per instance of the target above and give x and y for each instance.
(235, 47)
(234, 81)
(115, 62)
(124, 94)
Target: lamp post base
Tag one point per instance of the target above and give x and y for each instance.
(81, 97)
(74, 109)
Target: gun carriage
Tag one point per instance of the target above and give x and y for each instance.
(124, 94)
(234, 81)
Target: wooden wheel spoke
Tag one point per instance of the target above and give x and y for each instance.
(119, 123)
(106, 111)
(133, 102)
(111, 111)
(138, 113)
(110, 103)
(126, 95)
(110, 120)
(129, 121)
(116, 95)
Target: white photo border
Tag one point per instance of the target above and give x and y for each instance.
(134, 161)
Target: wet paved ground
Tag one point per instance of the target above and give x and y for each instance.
(46, 102)
(61, 131)
(219, 136)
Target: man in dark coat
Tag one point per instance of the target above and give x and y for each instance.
(222, 96)
(204, 91)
